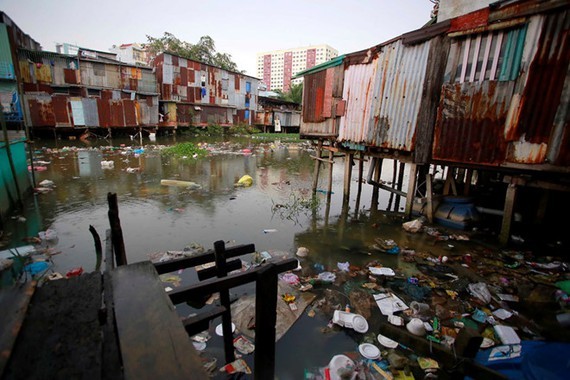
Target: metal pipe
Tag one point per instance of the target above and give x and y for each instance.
(492, 211)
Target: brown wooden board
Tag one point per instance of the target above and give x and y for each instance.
(153, 342)
(14, 302)
(60, 337)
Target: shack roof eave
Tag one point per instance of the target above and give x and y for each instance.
(323, 66)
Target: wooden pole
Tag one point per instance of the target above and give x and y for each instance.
(510, 198)
(394, 173)
(347, 176)
(468, 179)
(317, 166)
(330, 171)
(265, 320)
(429, 196)
(359, 191)
(220, 254)
(98, 247)
(116, 230)
(399, 184)
(412, 182)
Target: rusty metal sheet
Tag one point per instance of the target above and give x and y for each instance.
(71, 76)
(104, 109)
(183, 76)
(133, 84)
(41, 113)
(184, 114)
(166, 91)
(117, 114)
(471, 122)
(470, 21)
(130, 114)
(61, 111)
(313, 96)
(542, 98)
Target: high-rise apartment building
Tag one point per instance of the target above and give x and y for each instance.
(277, 67)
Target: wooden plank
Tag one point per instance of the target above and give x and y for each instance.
(198, 323)
(429, 196)
(112, 368)
(61, 336)
(184, 293)
(203, 258)
(510, 198)
(14, 303)
(154, 344)
(221, 269)
(265, 320)
(207, 273)
(412, 183)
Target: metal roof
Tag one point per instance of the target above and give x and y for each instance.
(325, 65)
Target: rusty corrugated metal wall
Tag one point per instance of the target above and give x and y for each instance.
(515, 110)
(383, 97)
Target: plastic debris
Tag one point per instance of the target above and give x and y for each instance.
(382, 271)
(413, 225)
(237, 366)
(107, 164)
(480, 291)
(243, 345)
(344, 267)
(327, 276)
(290, 278)
(244, 181)
(36, 268)
(341, 367)
(74, 272)
(302, 252)
(389, 303)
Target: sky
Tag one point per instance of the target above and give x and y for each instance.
(239, 28)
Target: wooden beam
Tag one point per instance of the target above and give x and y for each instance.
(207, 273)
(322, 159)
(399, 185)
(412, 183)
(317, 166)
(227, 332)
(14, 302)
(265, 320)
(347, 176)
(510, 199)
(429, 196)
(154, 344)
(185, 293)
(331, 154)
(116, 230)
(198, 323)
(203, 258)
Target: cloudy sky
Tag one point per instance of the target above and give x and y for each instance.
(240, 28)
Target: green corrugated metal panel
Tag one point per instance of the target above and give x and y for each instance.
(513, 54)
(8, 193)
(6, 64)
(325, 65)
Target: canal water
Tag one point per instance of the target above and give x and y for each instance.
(275, 213)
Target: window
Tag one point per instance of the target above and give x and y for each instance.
(98, 69)
(489, 56)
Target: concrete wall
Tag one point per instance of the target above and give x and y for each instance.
(454, 8)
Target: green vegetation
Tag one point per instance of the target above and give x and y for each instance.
(296, 206)
(295, 94)
(289, 137)
(203, 51)
(186, 149)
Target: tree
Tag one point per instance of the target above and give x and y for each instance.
(295, 93)
(203, 51)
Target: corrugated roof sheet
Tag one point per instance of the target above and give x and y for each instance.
(323, 66)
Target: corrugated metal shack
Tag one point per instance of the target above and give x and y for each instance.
(88, 90)
(276, 115)
(486, 91)
(11, 38)
(197, 94)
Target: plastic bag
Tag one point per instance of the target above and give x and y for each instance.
(480, 291)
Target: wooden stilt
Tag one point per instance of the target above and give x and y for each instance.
(317, 166)
(374, 176)
(412, 182)
(394, 174)
(359, 191)
(331, 163)
(468, 179)
(116, 230)
(347, 175)
(510, 198)
(399, 184)
(450, 182)
(429, 196)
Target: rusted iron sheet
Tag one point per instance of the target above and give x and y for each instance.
(104, 111)
(71, 76)
(61, 111)
(542, 99)
(359, 84)
(184, 114)
(41, 113)
(183, 76)
(133, 84)
(117, 114)
(471, 122)
(130, 115)
(314, 92)
(501, 10)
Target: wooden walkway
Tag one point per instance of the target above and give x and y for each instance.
(63, 331)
